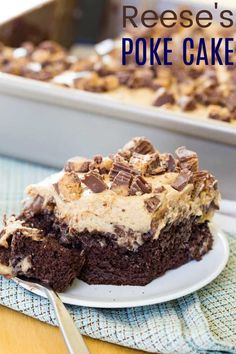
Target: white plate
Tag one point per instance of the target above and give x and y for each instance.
(172, 285)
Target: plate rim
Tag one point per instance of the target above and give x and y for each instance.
(216, 231)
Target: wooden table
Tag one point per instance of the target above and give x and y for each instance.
(24, 335)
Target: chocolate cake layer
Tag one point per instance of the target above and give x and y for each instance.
(98, 259)
(46, 261)
(107, 263)
(4, 256)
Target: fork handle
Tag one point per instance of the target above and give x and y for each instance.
(73, 339)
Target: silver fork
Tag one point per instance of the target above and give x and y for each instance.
(72, 337)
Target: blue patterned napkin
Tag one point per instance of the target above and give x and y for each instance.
(198, 323)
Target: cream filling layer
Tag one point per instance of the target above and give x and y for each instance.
(103, 212)
(5, 270)
(13, 226)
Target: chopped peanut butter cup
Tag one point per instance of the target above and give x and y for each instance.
(94, 182)
(69, 186)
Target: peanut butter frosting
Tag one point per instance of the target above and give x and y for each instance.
(133, 193)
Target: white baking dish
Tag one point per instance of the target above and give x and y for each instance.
(13, 8)
(45, 123)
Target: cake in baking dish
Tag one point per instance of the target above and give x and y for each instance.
(123, 220)
(200, 90)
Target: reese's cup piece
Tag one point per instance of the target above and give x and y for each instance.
(187, 103)
(152, 204)
(182, 180)
(153, 163)
(139, 186)
(219, 113)
(163, 97)
(33, 206)
(102, 164)
(140, 162)
(77, 164)
(187, 159)
(139, 145)
(69, 186)
(94, 182)
(121, 166)
(121, 183)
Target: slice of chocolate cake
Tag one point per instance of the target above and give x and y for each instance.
(123, 220)
(32, 253)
